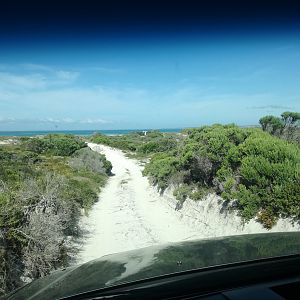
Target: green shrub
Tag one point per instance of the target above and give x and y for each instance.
(161, 144)
(162, 167)
(41, 196)
(267, 218)
(55, 144)
(182, 192)
(200, 193)
(260, 171)
(82, 192)
(123, 142)
(150, 147)
(86, 159)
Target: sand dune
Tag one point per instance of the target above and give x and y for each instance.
(131, 214)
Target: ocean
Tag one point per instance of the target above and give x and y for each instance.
(82, 132)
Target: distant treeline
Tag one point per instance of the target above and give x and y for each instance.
(45, 183)
(256, 171)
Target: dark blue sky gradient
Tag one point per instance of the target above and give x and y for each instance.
(69, 20)
(39, 24)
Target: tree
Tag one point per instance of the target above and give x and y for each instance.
(291, 120)
(271, 124)
(264, 122)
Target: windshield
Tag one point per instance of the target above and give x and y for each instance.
(124, 127)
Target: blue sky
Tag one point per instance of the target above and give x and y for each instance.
(148, 82)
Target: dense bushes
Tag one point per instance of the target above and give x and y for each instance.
(123, 142)
(269, 170)
(140, 144)
(44, 185)
(159, 144)
(259, 171)
(54, 144)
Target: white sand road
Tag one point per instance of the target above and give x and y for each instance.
(131, 214)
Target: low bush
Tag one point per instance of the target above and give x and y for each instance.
(44, 184)
(86, 159)
(161, 168)
(54, 144)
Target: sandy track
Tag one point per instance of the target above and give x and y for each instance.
(129, 214)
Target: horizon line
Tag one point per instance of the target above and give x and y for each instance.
(127, 129)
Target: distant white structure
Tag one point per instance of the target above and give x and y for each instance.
(145, 132)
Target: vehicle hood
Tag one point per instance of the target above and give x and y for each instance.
(159, 260)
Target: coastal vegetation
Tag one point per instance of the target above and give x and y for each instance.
(255, 171)
(139, 144)
(45, 184)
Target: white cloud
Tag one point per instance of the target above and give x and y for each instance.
(51, 120)
(107, 70)
(51, 100)
(9, 81)
(271, 106)
(66, 75)
(67, 120)
(36, 67)
(70, 106)
(12, 81)
(75, 121)
(7, 120)
(94, 121)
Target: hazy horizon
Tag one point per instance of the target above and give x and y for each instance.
(175, 129)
